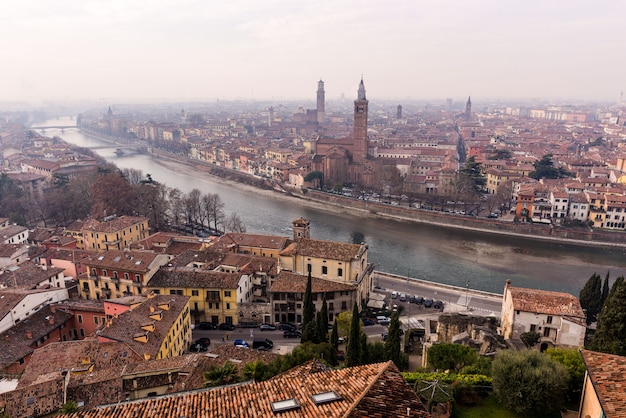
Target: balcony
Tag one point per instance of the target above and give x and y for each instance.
(213, 298)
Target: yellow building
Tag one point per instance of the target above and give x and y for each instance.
(155, 327)
(116, 273)
(335, 261)
(115, 233)
(213, 295)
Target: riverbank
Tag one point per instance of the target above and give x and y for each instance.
(359, 208)
(354, 208)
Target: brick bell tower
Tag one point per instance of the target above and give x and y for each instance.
(360, 125)
(321, 111)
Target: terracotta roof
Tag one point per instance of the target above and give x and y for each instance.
(17, 341)
(116, 224)
(608, 376)
(28, 274)
(7, 250)
(254, 240)
(129, 323)
(295, 283)
(138, 261)
(323, 249)
(547, 302)
(187, 277)
(374, 390)
(89, 355)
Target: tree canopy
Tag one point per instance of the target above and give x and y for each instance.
(591, 298)
(451, 357)
(610, 335)
(545, 169)
(529, 382)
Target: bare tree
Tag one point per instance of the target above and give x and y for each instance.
(234, 224)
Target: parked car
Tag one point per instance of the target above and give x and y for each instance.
(226, 327)
(341, 356)
(205, 341)
(292, 334)
(267, 327)
(428, 302)
(403, 297)
(383, 320)
(241, 343)
(262, 344)
(438, 304)
(368, 322)
(197, 348)
(419, 300)
(412, 299)
(394, 295)
(206, 326)
(284, 326)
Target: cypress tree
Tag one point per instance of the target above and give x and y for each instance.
(610, 335)
(309, 328)
(590, 297)
(308, 308)
(322, 325)
(392, 345)
(353, 355)
(334, 336)
(605, 290)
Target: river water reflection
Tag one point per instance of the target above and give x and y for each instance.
(455, 257)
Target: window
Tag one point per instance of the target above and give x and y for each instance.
(137, 278)
(80, 318)
(344, 306)
(331, 306)
(228, 305)
(115, 276)
(533, 328)
(324, 270)
(226, 293)
(126, 276)
(95, 320)
(340, 272)
(194, 292)
(549, 319)
(546, 332)
(94, 272)
(104, 272)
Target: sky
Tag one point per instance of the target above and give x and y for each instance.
(141, 50)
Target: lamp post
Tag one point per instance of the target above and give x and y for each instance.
(467, 294)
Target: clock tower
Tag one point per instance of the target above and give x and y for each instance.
(360, 125)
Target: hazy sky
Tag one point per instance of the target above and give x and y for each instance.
(278, 49)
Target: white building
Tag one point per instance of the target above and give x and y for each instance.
(556, 316)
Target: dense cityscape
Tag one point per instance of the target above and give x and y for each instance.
(117, 287)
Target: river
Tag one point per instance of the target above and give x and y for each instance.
(455, 257)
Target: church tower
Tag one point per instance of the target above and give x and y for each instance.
(360, 125)
(321, 112)
(468, 109)
(301, 229)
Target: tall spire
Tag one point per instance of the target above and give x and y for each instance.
(361, 95)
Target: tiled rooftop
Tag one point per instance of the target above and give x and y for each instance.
(187, 277)
(547, 302)
(375, 390)
(129, 323)
(608, 375)
(295, 283)
(323, 249)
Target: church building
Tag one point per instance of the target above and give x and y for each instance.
(346, 160)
